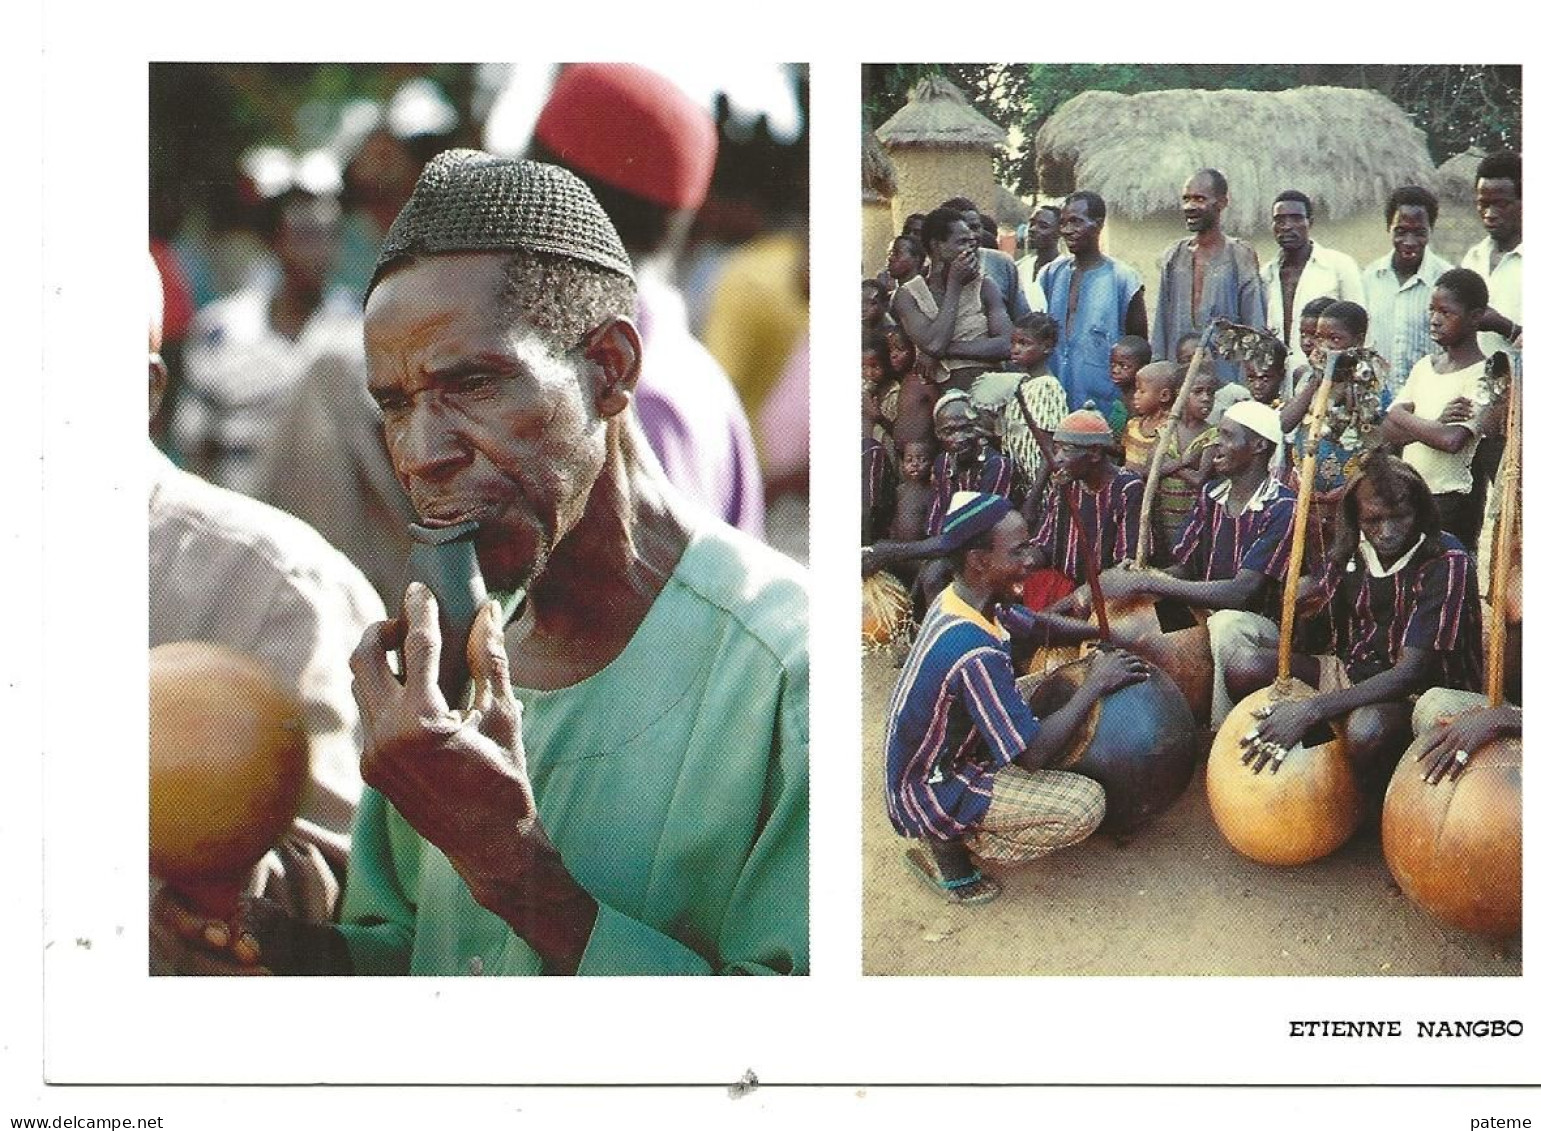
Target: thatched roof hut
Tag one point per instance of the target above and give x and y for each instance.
(941, 147)
(1009, 210)
(879, 185)
(938, 116)
(1458, 176)
(1346, 149)
(879, 181)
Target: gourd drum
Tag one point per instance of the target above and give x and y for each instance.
(1303, 812)
(1137, 742)
(1183, 655)
(229, 761)
(1454, 847)
(885, 609)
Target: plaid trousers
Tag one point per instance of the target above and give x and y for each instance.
(1034, 812)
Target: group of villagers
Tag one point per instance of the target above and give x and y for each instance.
(1009, 502)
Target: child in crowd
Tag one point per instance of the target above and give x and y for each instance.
(1341, 449)
(1435, 414)
(1033, 339)
(1187, 346)
(878, 383)
(877, 473)
(1265, 383)
(1309, 314)
(1185, 465)
(1155, 387)
(1129, 355)
(874, 305)
(912, 506)
(915, 398)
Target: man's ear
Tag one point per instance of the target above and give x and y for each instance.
(158, 378)
(616, 349)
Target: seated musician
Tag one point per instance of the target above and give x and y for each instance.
(1399, 603)
(978, 783)
(1226, 556)
(1104, 496)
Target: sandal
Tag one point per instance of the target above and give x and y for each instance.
(974, 888)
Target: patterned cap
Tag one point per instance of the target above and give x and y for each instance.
(971, 514)
(467, 200)
(953, 396)
(1085, 426)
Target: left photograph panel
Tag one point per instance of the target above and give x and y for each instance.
(478, 542)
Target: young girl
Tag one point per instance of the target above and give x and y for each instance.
(1033, 339)
(1435, 415)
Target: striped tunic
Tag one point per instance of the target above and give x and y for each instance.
(992, 474)
(1111, 518)
(955, 720)
(877, 490)
(1220, 546)
(1430, 603)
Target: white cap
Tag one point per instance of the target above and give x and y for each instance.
(1259, 418)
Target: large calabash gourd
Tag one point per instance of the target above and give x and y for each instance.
(1454, 847)
(229, 761)
(885, 609)
(1300, 814)
(1138, 742)
(1183, 655)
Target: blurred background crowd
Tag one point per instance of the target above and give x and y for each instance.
(272, 185)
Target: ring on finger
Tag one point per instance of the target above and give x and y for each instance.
(1462, 757)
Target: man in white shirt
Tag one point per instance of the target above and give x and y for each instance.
(1303, 270)
(1497, 256)
(1398, 285)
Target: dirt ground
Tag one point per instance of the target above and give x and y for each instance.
(1173, 899)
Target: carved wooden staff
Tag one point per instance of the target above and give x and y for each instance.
(1503, 544)
(1302, 513)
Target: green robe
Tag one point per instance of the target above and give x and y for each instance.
(674, 783)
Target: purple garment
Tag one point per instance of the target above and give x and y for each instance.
(692, 416)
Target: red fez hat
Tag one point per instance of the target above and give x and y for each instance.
(633, 129)
(1085, 426)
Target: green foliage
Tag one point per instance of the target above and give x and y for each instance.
(1456, 106)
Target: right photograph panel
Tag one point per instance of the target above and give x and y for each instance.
(1191, 526)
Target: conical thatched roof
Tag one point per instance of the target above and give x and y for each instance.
(879, 181)
(1346, 149)
(939, 116)
(1458, 176)
(1009, 210)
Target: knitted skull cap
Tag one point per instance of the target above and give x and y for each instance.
(1085, 426)
(633, 129)
(971, 514)
(466, 200)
